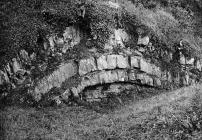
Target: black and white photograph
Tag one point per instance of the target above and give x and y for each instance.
(100, 69)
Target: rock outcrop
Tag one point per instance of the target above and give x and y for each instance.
(107, 69)
(126, 66)
(53, 80)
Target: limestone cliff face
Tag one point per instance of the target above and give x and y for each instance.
(109, 69)
(127, 66)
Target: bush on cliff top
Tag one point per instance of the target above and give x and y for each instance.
(26, 22)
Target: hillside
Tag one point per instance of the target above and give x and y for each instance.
(100, 69)
(171, 115)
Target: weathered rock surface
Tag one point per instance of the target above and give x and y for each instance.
(118, 38)
(64, 72)
(145, 79)
(143, 40)
(87, 65)
(15, 65)
(108, 77)
(102, 63)
(145, 67)
(135, 62)
(71, 37)
(122, 62)
(3, 78)
(111, 61)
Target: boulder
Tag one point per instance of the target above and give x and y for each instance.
(86, 66)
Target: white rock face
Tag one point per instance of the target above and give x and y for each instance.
(121, 36)
(113, 4)
(64, 72)
(145, 67)
(143, 40)
(87, 65)
(122, 75)
(108, 77)
(71, 37)
(135, 62)
(199, 65)
(122, 62)
(15, 65)
(111, 61)
(118, 37)
(102, 63)
(3, 78)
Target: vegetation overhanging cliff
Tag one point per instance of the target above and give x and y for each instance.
(26, 22)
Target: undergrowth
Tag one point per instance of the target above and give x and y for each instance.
(80, 123)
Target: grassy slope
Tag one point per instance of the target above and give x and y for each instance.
(81, 123)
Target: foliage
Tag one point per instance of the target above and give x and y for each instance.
(26, 23)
